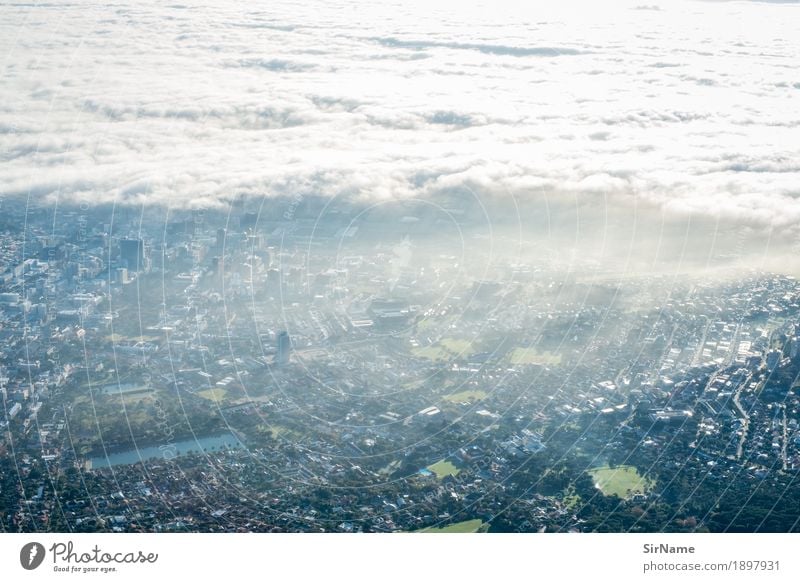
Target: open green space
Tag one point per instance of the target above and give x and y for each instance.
(390, 468)
(445, 349)
(466, 396)
(469, 526)
(278, 431)
(426, 323)
(215, 394)
(526, 356)
(622, 481)
(457, 346)
(117, 420)
(430, 352)
(443, 469)
(570, 498)
(133, 398)
(435, 321)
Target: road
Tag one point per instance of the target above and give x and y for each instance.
(745, 417)
(699, 353)
(784, 440)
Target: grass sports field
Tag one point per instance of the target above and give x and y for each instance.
(622, 481)
(466, 396)
(446, 349)
(470, 526)
(523, 356)
(443, 469)
(214, 394)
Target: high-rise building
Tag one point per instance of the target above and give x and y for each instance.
(121, 276)
(255, 242)
(131, 251)
(248, 221)
(773, 359)
(284, 347)
(274, 282)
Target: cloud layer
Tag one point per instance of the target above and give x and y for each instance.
(692, 108)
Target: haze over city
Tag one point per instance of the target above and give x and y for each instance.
(412, 266)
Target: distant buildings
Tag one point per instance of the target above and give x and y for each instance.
(248, 221)
(9, 298)
(390, 313)
(132, 252)
(121, 276)
(773, 359)
(448, 388)
(284, 346)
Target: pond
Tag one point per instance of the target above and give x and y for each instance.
(199, 445)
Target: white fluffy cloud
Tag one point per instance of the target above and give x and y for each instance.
(691, 107)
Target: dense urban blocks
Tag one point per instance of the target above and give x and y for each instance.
(244, 379)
